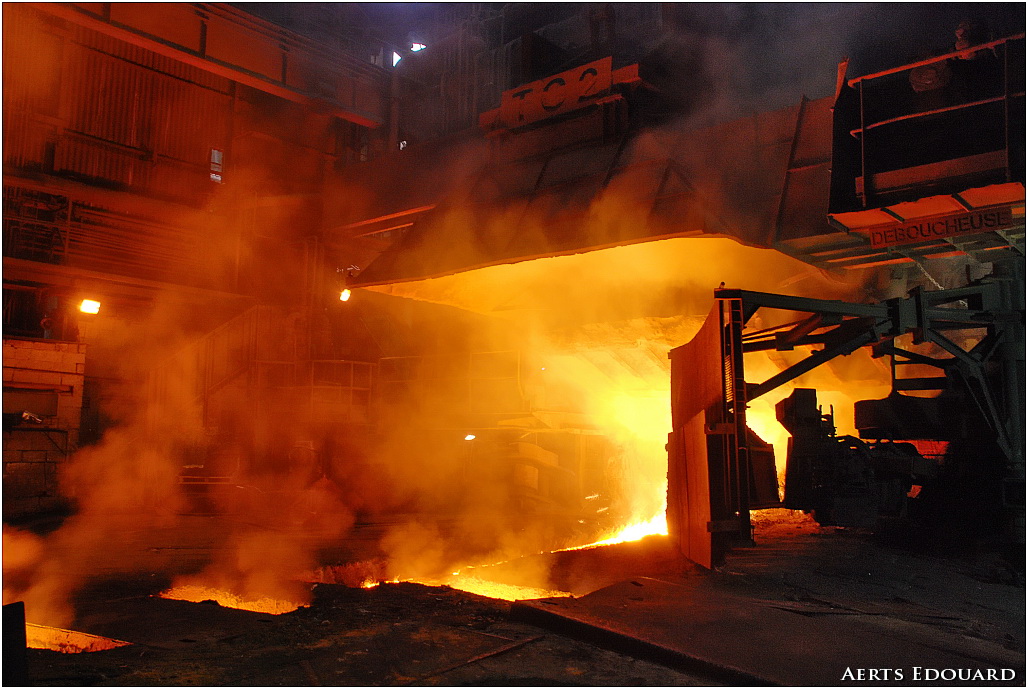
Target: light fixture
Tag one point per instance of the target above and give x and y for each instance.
(469, 436)
(396, 58)
(416, 47)
(345, 295)
(89, 306)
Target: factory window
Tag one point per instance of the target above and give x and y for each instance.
(217, 164)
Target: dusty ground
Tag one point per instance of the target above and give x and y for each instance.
(397, 634)
(409, 634)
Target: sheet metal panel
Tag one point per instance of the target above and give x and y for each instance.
(696, 386)
(85, 158)
(26, 139)
(726, 180)
(126, 120)
(195, 121)
(108, 45)
(167, 21)
(104, 94)
(31, 43)
(234, 45)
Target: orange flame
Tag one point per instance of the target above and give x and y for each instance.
(633, 532)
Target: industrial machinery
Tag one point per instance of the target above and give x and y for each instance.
(713, 477)
(842, 480)
(927, 183)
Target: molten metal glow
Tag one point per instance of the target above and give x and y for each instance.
(479, 587)
(197, 594)
(633, 532)
(511, 592)
(492, 589)
(66, 640)
(89, 306)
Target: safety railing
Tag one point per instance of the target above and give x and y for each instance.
(959, 105)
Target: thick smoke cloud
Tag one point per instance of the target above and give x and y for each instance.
(603, 322)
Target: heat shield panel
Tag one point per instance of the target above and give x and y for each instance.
(696, 387)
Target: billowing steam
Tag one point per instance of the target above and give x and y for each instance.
(572, 350)
(123, 488)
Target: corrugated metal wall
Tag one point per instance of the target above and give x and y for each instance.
(131, 124)
(81, 104)
(31, 98)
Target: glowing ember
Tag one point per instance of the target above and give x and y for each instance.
(372, 583)
(66, 640)
(198, 594)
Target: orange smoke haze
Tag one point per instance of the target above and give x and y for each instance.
(597, 328)
(126, 491)
(586, 420)
(122, 488)
(558, 367)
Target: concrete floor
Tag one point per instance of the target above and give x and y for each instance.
(814, 607)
